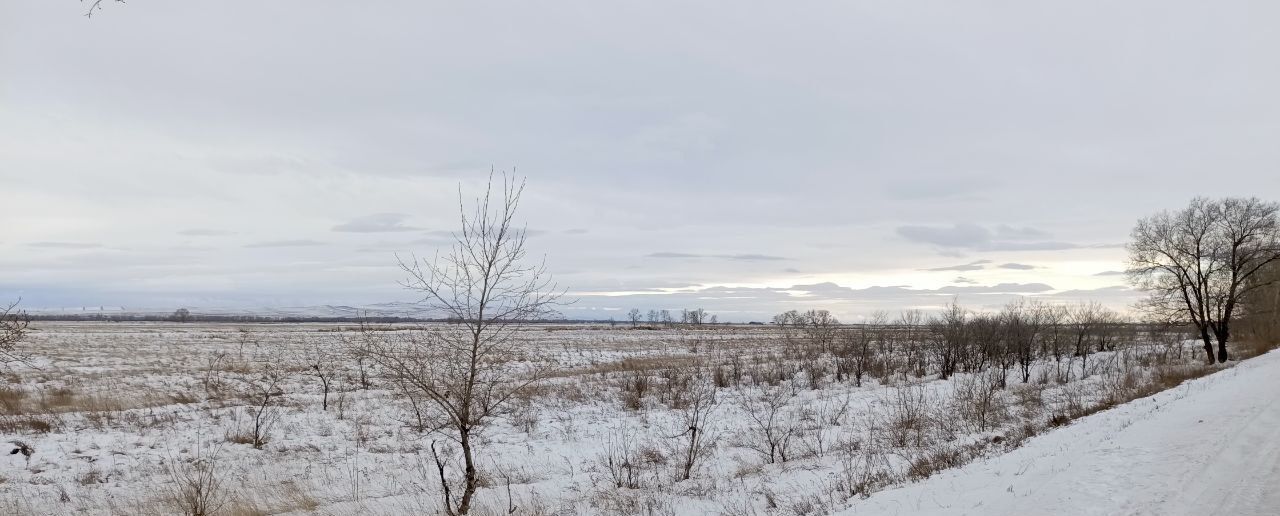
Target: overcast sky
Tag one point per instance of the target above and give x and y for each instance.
(744, 157)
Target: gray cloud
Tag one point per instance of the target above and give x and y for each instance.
(284, 243)
(734, 257)
(1002, 288)
(376, 223)
(978, 238)
(1005, 232)
(204, 232)
(1017, 266)
(672, 255)
(964, 280)
(959, 235)
(971, 266)
(66, 245)
(1110, 273)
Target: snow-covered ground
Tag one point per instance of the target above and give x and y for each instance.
(116, 410)
(1208, 447)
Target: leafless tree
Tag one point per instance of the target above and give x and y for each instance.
(13, 327)
(856, 348)
(468, 371)
(321, 361)
(634, 317)
(1086, 321)
(951, 337)
(264, 389)
(1199, 261)
(182, 315)
(697, 436)
(1025, 322)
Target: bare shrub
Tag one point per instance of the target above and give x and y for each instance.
(864, 467)
(931, 461)
(263, 389)
(620, 464)
(13, 328)
(634, 388)
(770, 424)
(320, 361)
(909, 410)
(979, 400)
(697, 437)
(196, 482)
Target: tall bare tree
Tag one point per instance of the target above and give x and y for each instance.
(469, 371)
(1198, 262)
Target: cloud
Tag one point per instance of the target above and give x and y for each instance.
(66, 245)
(1002, 288)
(959, 235)
(204, 232)
(1017, 266)
(284, 243)
(1110, 273)
(973, 237)
(749, 257)
(376, 223)
(971, 266)
(735, 257)
(672, 255)
(964, 280)
(1005, 232)
(575, 231)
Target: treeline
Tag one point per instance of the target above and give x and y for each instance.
(1009, 341)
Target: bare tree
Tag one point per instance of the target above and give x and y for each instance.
(264, 389)
(13, 327)
(951, 337)
(320, 361)
(1199, 261)
(634, 317)
(468, 370)
(697, 436)
(182, 315)
(1086, 321)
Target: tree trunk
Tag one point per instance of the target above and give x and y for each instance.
(1208, 343)
(470, 481)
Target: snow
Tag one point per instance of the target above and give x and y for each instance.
(138, 404)
(1210, 446)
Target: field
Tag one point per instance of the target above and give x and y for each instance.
(159, 418)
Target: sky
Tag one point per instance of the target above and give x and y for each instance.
(746, 158)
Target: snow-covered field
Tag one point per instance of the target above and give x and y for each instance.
(119, 415)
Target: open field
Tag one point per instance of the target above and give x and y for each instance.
(135, 418)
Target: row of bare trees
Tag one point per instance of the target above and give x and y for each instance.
(664, 317)
(1009, 341)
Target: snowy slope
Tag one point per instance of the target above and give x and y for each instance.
(1208, 447)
